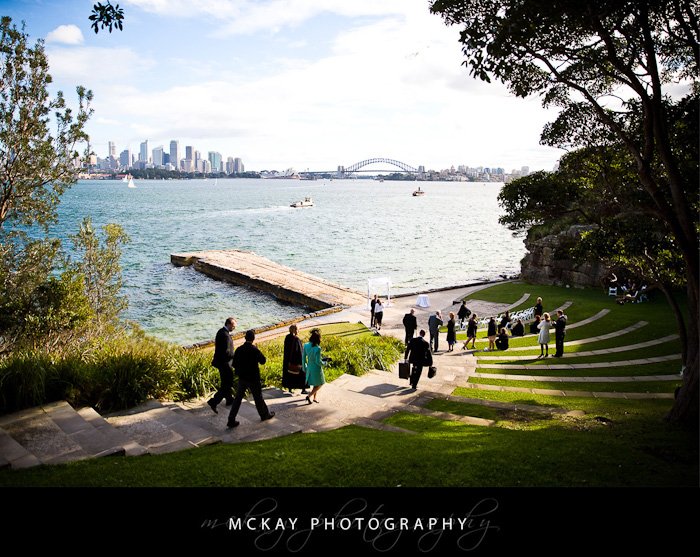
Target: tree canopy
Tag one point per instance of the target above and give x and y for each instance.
(610, 67)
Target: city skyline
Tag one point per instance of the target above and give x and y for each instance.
(232, 165)
(282, 83)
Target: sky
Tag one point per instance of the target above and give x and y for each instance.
(303, 84)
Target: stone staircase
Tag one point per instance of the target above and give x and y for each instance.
(57, 433)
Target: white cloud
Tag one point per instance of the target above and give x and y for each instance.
(393, 88)
(66, 34)
(94, 66)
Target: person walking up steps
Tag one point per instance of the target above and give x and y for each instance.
(246, 362)
(223, 352)
(543, 338)
(418, 355)
(293, 376)
(313, 364)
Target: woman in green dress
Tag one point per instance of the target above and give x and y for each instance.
(313, 364)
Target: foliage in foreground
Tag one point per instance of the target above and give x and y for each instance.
(127, 367)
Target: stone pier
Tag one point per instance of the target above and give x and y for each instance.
(254, 271)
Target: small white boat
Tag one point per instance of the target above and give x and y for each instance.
(418, 192)
(131, 183)
(125, 178)
(308, 202)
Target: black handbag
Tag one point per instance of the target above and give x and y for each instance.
(404, 370)
(432, 370)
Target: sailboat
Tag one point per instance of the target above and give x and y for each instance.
(131, 182)
(125, 178)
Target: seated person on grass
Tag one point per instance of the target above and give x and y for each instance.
(535, 325)
(502, 340)
(518, 329)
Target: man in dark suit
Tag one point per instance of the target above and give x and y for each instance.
(559, 333)
(410, 323)
(245, 361)
(434, 324)
(418, 354)
(223, 352)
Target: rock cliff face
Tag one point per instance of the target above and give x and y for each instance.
(545, 264)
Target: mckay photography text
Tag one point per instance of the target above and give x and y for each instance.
(268, 527)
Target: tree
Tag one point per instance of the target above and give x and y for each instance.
(38, 140)
(608, 65)
(99, 266)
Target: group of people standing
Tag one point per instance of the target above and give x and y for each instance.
(302, 367)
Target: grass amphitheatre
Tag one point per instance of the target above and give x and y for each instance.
(592, 418)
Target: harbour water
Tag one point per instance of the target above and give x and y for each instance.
(357, 229)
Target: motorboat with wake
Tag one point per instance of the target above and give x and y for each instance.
(308, 202)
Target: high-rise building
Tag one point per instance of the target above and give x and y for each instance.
(175, 154)
(143, 152)
(238, 166)
(189, 159)
(215, 161)
(125, 159)
(525, 170)
(229, 165)
(158, 156)
(112, 149)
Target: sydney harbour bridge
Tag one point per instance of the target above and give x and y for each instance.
(348, 171)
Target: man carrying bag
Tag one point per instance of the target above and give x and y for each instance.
(418, 354)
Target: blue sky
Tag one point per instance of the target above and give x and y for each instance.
(286, 83)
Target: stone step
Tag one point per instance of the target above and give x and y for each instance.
(250, 428)
(131, 447)
(14, 455)
(162, 428)
(55, 433)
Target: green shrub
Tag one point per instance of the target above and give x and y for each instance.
(127, 367)
(354, 355)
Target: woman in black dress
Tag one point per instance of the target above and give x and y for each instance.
(538, 308)
(293, 377)
(463, 313)
(451, 335)
(491, 333)
(471, 331)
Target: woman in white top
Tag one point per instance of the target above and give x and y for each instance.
(378, 314)
(543, 338)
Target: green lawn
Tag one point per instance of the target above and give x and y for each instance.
(662, 368)
(617, 442)
(617, 387)
(524, 449)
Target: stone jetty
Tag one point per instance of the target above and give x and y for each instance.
(254, 271)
